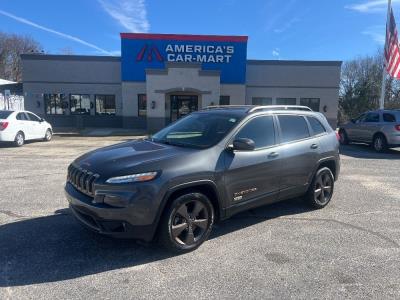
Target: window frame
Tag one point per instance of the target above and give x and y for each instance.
(268, 98)
(105, 95)
(293, 141)
(245, 122)
(80, 104)
(311, 98)
(369, 114)
(62, 100)
(29, 117)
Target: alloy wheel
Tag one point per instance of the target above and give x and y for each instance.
(378, 143)
(20, 139)
(323, 188)
(189, 223)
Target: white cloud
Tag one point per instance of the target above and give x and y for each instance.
(371, 6)
(130, 14)
(377, 33)
(276, 53)
(61, 34)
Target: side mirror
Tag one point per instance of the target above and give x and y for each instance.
(244, 144)
(41, 120)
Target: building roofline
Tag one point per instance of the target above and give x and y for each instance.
(185, 37)
(294, 62)
(69, 57)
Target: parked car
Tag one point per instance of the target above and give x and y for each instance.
(379, 128)
(21, 126)
(203, 168)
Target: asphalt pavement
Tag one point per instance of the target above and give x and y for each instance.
(350, 249)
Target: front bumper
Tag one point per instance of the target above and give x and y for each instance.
(117, 222)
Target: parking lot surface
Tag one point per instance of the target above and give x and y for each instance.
(349, 249)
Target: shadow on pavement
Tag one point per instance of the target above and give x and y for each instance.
(366, 151)
(56, 247)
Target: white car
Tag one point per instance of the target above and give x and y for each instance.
(20, 126)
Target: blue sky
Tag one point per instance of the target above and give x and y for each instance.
(277, 29)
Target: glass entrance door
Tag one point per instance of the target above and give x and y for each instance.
(182, 105)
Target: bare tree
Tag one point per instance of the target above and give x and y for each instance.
(11, 48)
(360, 87)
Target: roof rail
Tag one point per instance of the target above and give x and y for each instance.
(227, 106)
(279, 107)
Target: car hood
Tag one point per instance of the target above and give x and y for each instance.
(126, 157)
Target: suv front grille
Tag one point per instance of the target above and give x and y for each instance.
(82, 180)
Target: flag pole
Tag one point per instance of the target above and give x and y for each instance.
(383, 90)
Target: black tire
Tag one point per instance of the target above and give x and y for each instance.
(48, 136)
(19, 139)
(379, 143)
(320, 192)
(186, 223)
(343, 138)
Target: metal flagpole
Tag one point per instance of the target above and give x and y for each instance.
(383, 90)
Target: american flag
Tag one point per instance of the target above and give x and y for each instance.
(392, 49)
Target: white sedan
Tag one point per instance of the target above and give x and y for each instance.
(20, 126)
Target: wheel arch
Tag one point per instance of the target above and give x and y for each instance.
(206, 187)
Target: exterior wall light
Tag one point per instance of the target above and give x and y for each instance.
(325, 108)
(153, 104)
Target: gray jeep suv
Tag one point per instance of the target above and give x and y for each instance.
(379, 128)
(203, 168)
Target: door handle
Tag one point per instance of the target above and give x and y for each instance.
(273, 155)
(314, 146)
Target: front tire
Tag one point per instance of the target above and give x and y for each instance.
(321, 189)
(48, 136)
(19, 139)
(186, 223)
(379, 143)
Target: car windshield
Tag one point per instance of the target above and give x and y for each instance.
(198, 130)
(5, 113)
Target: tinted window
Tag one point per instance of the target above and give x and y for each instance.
(55, 104)
(4, 114)
(21, 117)
(389, 117)
(316, 126)
(32, 117)
(372, 117)
(80, 104)
(105, 105)
(293, 128)
(224, 100)
(260, 130)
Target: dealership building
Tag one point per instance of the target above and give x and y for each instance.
(162, 77)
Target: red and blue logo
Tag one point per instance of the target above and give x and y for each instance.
(149, 53)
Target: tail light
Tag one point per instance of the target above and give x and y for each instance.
(397, 127)
(337, 135)
(3, 125)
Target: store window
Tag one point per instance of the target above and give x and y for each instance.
(261, 101)
(55, 104)
(285, 101)
(105, 105)
(142, 105)
(312, 103)
(224, 100)
(79, 104)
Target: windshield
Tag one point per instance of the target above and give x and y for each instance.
(4, 114)
(198, 130)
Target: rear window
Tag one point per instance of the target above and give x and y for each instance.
(293, 128)
(316, 126)
(4, 114)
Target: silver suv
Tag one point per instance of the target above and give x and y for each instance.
(379, 128)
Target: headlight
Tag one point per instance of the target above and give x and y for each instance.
(133, 178)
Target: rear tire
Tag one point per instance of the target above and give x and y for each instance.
(343, 138)
(48, 136)
(320, 192)
(19, 139)
(379, 143)
(186, 223)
